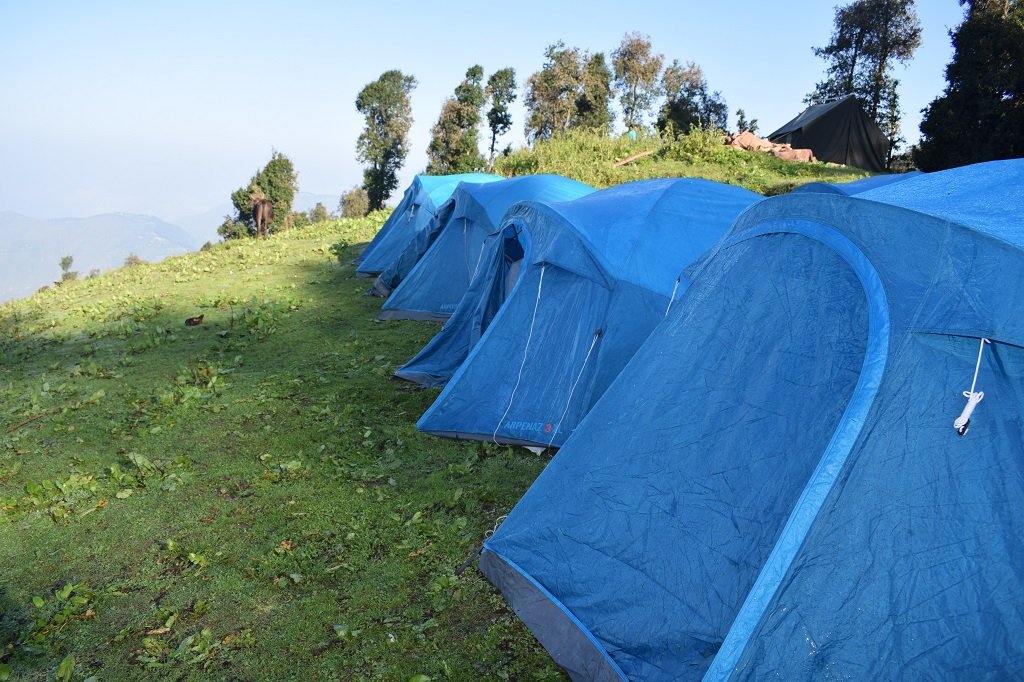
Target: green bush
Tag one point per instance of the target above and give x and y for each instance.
(355, 203)
(697, 146)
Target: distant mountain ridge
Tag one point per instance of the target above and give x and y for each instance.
(31, 248)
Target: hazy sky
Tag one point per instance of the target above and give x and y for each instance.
(167, 107)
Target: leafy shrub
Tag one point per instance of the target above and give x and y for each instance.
(355, 203)
(699, 145)
(233, 229)
(318, 214)
(295, 219)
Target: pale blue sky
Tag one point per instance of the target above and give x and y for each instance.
(167, 107)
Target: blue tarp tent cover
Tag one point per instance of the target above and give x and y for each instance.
(422, 198)
(436, 284)
(856, 186)
(597, 279)
(773, 488)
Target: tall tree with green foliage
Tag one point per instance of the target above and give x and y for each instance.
(384, 143)
(455, 138)
(869, 38)
(636, 76)
(980, 116)
(689, 102)
(501, 91)
(278, 182)
(594, 102)
(550, 96)
(573, 89)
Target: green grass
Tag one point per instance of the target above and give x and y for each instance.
(247, 499)
(590, 158)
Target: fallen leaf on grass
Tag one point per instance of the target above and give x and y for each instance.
(158, 631)
(422, 550)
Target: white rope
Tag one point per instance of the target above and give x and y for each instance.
(411, 214)
(593, 342)
(479, 257)
(465, 244)
(962, 422)
(526, 351)
(673, 296)
(497, 522)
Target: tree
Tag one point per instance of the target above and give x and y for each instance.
(295, 219)
(455, 138)
(688, 102)
(980, 115)
(593, 104)
(743, 124)
(355, 203)
(572, 89)
(636, 76)
(318, 214)
(384, 144)
(66, 273)
(501, 91)
(278, 182)
(550, 96)
(868, 39)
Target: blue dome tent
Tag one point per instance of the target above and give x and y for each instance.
(421, 199)
(499, 270)
(856, 186)
(389, 279)
(435, 285)
(598, 276)
(776, 485)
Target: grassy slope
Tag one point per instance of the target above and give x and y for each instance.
(589, 158)
(247, 499)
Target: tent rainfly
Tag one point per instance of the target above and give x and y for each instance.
(814, 467)
(598, 276)
(856, 186)
(421, 199)
(435, 285)
(840, 132)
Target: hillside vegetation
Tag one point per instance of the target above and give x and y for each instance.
(590, 158)
(248, 498)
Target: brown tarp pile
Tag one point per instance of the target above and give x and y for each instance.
(747, 140)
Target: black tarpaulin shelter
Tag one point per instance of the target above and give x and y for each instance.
(839, 131)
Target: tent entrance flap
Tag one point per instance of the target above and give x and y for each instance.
(834, 458)
(536, 364)
(713, 472)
